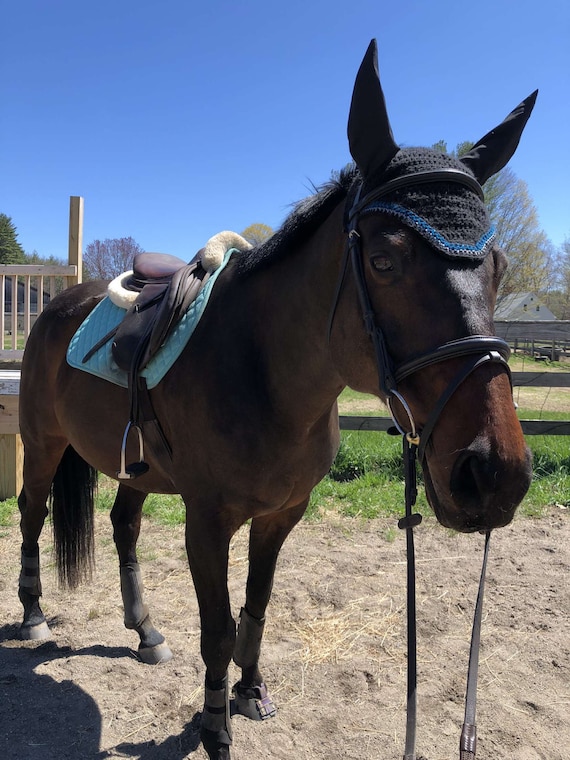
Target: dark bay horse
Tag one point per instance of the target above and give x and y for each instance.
(385, 281)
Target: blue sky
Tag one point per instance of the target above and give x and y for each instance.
(176, 119)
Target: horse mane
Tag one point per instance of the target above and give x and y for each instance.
(306, 217)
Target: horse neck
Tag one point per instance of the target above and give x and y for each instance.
(294, 298)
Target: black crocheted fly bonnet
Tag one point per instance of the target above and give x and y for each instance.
(449, 215)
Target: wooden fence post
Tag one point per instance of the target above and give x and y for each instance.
(75, 251)
(11, 448)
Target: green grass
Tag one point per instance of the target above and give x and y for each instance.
(165, 509)
(8, 512)
(366, 479)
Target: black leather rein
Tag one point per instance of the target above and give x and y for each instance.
(476, 350)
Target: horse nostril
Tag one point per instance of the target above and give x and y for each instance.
(471, 483)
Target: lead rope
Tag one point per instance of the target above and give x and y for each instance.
(407, 523)
(411, 447)
(468, 740)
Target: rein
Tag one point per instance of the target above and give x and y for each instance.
(477, 350)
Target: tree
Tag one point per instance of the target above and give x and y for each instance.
(515, 218)
(558, 301)
(35, 258)
(106, 259)
(518, 233)
(257, 233)
(11, 252)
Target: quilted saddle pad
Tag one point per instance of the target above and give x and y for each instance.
(106, 316)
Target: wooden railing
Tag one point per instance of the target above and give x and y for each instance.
(18, 313)
(24, 291)
(520, 379)
(11, 455)
(16, 321)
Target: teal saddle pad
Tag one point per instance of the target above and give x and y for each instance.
(106, 316)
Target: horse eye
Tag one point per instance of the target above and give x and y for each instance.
(382, 263)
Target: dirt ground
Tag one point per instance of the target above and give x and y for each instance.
(333, 655)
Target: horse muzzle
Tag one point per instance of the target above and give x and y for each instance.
(483, 489)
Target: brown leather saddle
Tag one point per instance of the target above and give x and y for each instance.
(166, 287)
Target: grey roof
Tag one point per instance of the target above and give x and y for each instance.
(522, 307)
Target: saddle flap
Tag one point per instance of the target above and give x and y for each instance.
(182, 291)
(134, 331)
(157, 310)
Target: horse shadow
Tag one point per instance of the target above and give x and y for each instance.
(45, 719)
(173, 748)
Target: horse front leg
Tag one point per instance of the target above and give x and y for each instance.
(126, 518)
(208, 537)
(267, 535)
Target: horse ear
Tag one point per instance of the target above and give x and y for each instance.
(494, 150)
(369, 133)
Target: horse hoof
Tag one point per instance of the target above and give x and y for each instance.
(38, 632)
(155, 655)
(253, 702)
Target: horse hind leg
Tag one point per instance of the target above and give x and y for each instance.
(40, 468)
(267, 535)
(126, 518)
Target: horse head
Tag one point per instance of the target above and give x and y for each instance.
(426, 270)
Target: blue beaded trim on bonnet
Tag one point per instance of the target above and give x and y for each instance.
(476, 251)
(449, 216)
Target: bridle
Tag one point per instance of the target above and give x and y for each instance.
(476, 350)
(479, 348)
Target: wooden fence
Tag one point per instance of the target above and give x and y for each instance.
(15, 328)
(11, 456)
(547, 338)
(520, 379)
(26, 289)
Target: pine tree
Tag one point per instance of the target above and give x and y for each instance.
(11, 252)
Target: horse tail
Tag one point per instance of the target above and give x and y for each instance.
(72, 505)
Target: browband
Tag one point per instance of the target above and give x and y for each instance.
(418, 178)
